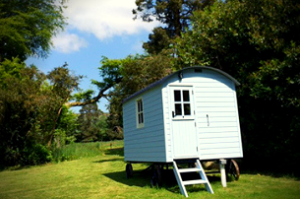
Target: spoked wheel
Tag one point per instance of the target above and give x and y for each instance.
(233, 169)
(129, 171)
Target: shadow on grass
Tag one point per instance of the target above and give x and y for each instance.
(17, 167)
(142, 178)
(115, 151)
(272, 174)
(268, 169)
(109, 160)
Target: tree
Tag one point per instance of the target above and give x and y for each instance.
(175, 14)
(137, 73)
(89, 120)
(66, 128)
(110, 73)
(31, 104)
(255, 42)
(27, 27)
(102, 126)
(62, 84)
(230, 36)
(19, 87)
(158, 40)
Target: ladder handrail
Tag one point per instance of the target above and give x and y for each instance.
(179, 179)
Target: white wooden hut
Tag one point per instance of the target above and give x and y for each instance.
(190, 114)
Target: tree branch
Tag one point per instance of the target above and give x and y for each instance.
(95, 99)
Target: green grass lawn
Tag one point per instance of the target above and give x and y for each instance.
(103, 176)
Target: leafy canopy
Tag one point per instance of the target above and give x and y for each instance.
(32, 114)
(173, 14)
(256, 42)
(26, 27)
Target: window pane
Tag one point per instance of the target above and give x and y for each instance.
(142, 118)
(178, 109)
(140, 106)
(141, 103)
(139, 116)
(177, 97)
(186, 96)
(187, 109)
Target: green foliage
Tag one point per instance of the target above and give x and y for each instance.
(76, 151)
(92, 124)
(30, 111)
(37, 154)
(279, 79)
(66, 130)
(102, 128)
(27, 27)
(17, 110)
(61, 84)
(30, 101)
(158, 40)
(173, 13)
(83, 95)
(255, 42)
(137, 73)
(68, 123)
(111, 71)
(10, 68)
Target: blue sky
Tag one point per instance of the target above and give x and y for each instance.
(95, 28)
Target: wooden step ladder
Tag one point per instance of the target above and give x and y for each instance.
(198, 168)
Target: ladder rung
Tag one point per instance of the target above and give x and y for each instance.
(182, 184)
(189, 182)
(189, 170)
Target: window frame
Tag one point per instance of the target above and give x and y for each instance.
(182, 102)
(139, 113)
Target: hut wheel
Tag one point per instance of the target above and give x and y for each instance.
(129, 171)
(233, 169)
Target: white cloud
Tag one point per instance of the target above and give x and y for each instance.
(67, 43)
(105, 18)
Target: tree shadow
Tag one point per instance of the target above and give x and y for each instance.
(108, 160)
(18, 167)
(142, 178)
(115, 151)
(268, 169)
(271, 174)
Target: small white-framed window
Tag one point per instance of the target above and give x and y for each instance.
(182, 103)
(139, 113)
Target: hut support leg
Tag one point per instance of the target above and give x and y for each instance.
(223, 172)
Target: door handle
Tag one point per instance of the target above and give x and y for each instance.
(173, 113)
(207, 118)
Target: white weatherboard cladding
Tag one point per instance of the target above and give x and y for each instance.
(215, 103)
(215, 118)
(146, 144)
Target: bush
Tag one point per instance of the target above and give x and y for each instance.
(37, 154)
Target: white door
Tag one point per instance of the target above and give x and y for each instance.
(183, 122)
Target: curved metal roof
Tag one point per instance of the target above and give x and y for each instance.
(176, 73)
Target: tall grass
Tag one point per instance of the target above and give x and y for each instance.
(80, 150)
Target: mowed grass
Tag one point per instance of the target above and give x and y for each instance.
(103, 176)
